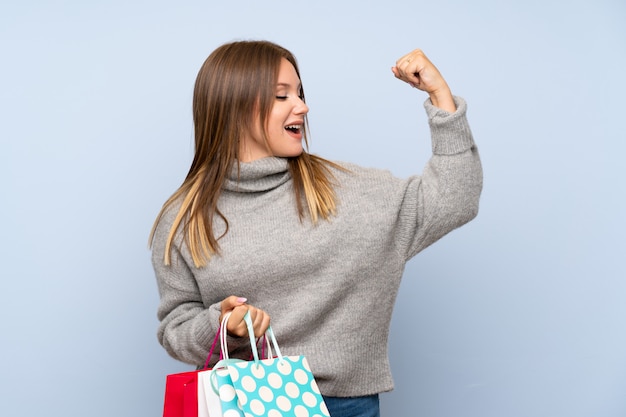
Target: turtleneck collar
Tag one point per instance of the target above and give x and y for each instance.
(258, 176)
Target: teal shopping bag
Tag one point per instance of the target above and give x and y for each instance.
(274, 387)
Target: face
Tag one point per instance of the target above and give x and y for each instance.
(285, 124)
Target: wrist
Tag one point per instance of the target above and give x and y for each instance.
(442, 98)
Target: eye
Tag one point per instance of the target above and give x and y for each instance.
(281, 98)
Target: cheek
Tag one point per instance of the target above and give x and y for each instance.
(276, 124)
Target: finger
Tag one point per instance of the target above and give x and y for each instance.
(256, 315)
(412, 70)
(409, 74)
(236, 324)
(418, 71)
(410, 59)
(260, 320)
(406, 58)
(231, 302)
(260, 323)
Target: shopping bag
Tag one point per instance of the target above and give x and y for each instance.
(209, 404)
(224, 399)
(181, 395)
(225, 392)
(181, 391)
(276, 386)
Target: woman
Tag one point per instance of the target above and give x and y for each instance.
(261, 225)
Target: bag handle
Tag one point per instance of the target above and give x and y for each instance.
(224, 344)
(225, 360)
(213, 345)
(224, 352)
(269, 332)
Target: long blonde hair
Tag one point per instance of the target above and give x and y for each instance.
(235, 82)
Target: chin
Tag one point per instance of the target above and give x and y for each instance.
(291, 154)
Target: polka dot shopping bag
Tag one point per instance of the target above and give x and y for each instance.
(282, 386)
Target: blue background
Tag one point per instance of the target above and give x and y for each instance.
(520, 313)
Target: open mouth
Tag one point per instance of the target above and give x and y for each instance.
(295, 129)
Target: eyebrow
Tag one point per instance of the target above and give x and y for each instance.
(288, 85)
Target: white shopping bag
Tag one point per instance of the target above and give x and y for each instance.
(209, 404)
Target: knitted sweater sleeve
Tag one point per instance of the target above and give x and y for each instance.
(187, 324)
(446, 195)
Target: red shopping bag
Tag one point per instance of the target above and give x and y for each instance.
(181, 395)
(181, 390)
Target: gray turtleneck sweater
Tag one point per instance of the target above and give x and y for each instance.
(329, 288)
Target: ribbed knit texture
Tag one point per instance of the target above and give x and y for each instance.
(329, 288)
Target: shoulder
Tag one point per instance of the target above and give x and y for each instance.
(348, 171)
(361, 181)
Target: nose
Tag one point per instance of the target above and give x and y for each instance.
(301, 107)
